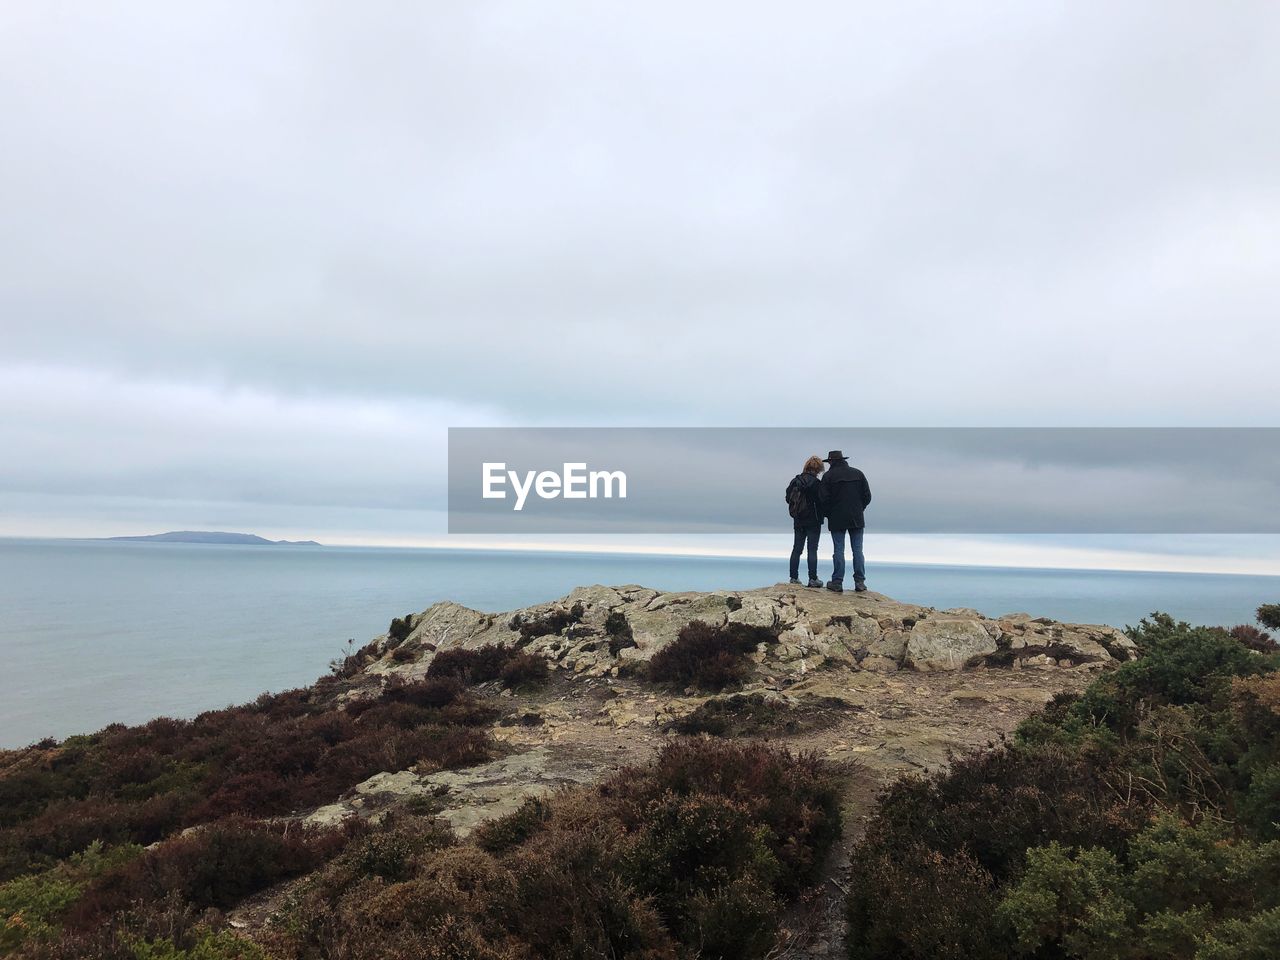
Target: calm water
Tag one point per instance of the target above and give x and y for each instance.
(94, 632)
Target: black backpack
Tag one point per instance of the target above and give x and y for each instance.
(798, 503)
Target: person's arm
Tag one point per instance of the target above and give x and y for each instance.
(866, 492)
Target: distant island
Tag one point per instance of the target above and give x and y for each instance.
(213, 536)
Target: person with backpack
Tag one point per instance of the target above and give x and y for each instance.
(844, 494)
(806, 518)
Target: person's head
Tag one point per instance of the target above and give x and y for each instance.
(814, 465)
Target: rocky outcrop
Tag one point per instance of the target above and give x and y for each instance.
(602, 631)
(465, 798)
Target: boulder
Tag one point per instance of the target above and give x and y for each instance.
(948, 644)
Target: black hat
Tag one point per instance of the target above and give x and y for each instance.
(834, 456)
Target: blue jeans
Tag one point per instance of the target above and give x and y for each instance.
(837, 559)
(811, 534)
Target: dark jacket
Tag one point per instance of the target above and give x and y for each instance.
(844, 493)
(810, 485)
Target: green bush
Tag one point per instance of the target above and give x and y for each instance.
(1136, 820)
(1269, 615)
(33, 907)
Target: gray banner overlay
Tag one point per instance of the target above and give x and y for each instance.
(923, 480)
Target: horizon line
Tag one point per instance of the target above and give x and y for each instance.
(675, 552)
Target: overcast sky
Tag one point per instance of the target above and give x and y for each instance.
(256, 258)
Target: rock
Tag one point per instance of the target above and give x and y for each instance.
(816, 629)
(892, 645)
(467, 797)
(948, 644)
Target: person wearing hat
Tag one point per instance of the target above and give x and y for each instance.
(844, 494)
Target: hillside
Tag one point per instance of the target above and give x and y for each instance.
(496, 744)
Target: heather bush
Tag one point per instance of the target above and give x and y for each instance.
(142, 785)
(400, 629)
(213, 866)
(553, 622)
(470, 666)
(490, 662)
(795, 798)
(1254, 639)
(695, 854)
(709, 656)
(753, 714)
(618, 629)
(506, 833)
(523, 670)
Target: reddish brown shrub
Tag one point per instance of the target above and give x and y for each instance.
(1254, 639)
(710, 656)
(214, 866)
(471, 666)
(524, 669)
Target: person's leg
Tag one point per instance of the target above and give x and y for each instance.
(795, 552)
(859, 561)
(812, 535)
(837, 556)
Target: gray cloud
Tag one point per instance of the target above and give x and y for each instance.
(854, 214)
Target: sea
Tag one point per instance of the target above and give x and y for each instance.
(99, 632)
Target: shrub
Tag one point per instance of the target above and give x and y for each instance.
(1269, 615)
(1177, 886)
(1253, 638)
(400, 629)
(523, 669)
(1138, 819)
(281, 753)
(505, 833)
(214, 866)
(202, 944)
(489, 662)
(34, 906)
(1179, 665)
(708, 656)
(618, 629)
(692, 855)
(795, 797)
(470, 666)
(921, 903)
(1069, 900)
(753, 714)
(553, 622)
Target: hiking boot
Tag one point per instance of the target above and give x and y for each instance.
(795, 581)
(835, 587)
(814, 583)
(860, 588)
